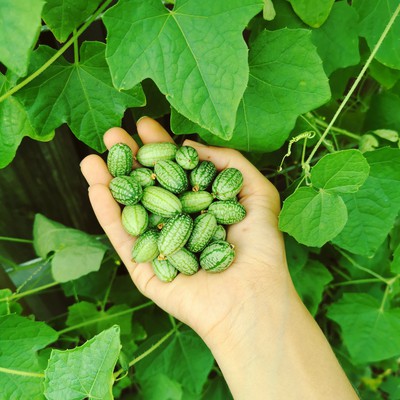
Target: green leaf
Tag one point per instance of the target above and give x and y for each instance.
(313, 218)
(369, 333)
(85, 372)
(312, 12)
(373, 19)
(5, 304)
(160, 387)
(340, 172)
(195, 54)
(392, 387)
(373, 209)
(269, 10)
(20, 340)
(395, 266)
(14, 125)
(217, 390)
(286, 80)
(63, 16)
(76, 253)
(387, 134)
(195, 361)
(79, 94)
(19, 29)
(94, 321)
(387, 77)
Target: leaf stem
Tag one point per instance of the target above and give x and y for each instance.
(341, 131)
(355, 282)
(16, 240)
(76, 48)
(29, 292)
(385, 296)
(21, 373)
(93, 321)
(104, 302)
(355, 84)
(58, 54)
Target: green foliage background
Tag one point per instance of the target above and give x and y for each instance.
(309, 90)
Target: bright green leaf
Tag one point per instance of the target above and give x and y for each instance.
(387, 134)
(312, 12)
(269, 10)
(313, 218)
(20, 340)
(340, 172)
(395, 266)
(373, 18)
(373, 209)
(160, 387)
(286, 80)
(63, 16)
(386, 76)
(80, 94)
(195, 54)
(370, 333)
(368, 143)
(85, 372)
(19, 28)
(195, 361)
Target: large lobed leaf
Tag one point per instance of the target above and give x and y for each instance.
(195, 54)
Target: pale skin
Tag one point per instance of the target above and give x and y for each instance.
(264, 340)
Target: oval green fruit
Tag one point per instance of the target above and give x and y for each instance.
(227, 212)
(161, 202)
(202, 176)
(164, 270)
(193, 202)
(145, 176)
(227, 184)
(145, 248)
(156, 221)
(174, 234)
(149, 154)
(134, 219)
(187, 157)
(184, 261)
(120, 160)
(126, 190)
(203, 230)
(171, 176)
(219, 234)
(217, 256)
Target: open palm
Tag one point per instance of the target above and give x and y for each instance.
(205, 300)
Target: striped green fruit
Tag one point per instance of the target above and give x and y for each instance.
(126, 190)
(171, 176)
(145, 176)
(184, 261)
(174, 234)
(145, 248)
(202, 176)
(203, 230)
(217, 256)
(134, 219)
(187, 157)
(161, 202)
(164, 270)
(156, 221)
(149, 154)
(227, 184)
(219, 234)
(120, 160)
(193, 202)
(227, 212)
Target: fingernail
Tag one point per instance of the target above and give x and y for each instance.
(143, 116)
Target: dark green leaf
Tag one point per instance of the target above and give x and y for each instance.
(312, 12)
(79, 94)
(373, 209)
(392, 387)
(395, 266)
(387, 77)
(20, 339)
(195, 54)
(366, 328)
(313, 218)
(19, 28)
(63, 16)
(85, 372)
(217, 390)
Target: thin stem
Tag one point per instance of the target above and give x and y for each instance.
(104, 302)
(355, 84)
(338, 130)
(76, 47)
(173, 323)
(385, 296)
(21, 373)
(29, 292)
(58, 54)
(16, 240)
(355, 282)
(93, 321)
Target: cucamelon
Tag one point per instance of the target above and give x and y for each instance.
(160, 201)
(203, 230)
(227, 184)
(202, 176)
(219, 234)
(187, 157)
(120, 160)
(184, 261)
(193, 202)
(145, 176)
(174, 234)
(217, 256)
(156, 221)
(227, 212)
(126, 190)
(145, 248)
(164, 270)
(149, 154)
(134, 219)
(171, 176)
